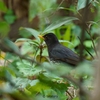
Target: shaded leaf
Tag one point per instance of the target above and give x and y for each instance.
(10, 45)
(26, 48)
(29, 31)
(41, 58)
(10, 18)
(59, 23)
(40, 7)
(82, 4)
(22, 39)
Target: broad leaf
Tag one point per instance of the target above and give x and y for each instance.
(7, 42)
(59, 23)
(22, 39)
(27, 69)
(29, 31)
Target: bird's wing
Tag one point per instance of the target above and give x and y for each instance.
(64, 54)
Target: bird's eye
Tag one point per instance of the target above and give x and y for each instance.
(46, 37)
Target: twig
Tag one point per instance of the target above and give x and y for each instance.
(86, 49)
(69, 94)
(41, 50)
(92, 42)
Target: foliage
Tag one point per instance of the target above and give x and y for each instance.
(27, 72)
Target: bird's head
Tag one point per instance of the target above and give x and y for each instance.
(50, 39)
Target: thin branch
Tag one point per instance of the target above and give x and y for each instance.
(92, 42)
(41, 50)
(86, 49)
(69, 94)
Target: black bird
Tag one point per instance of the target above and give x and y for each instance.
(58, 52)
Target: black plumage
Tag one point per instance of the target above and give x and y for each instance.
(58, 52)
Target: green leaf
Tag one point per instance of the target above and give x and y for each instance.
(88, 43)
(68, 42)
(84, 68)
(93, 23)
(22, 39)
(67, 35)
(4, 74)
(3, 7)
(76, 98)
(10, 18)
(29, 31)
(82, 4)
(58, 69)
(32, 13)
(59, 23)
(39, 97)
(4, 28)
(27, 69)
(26, 48)
(36, 7)
(38, 87)
(34, 82)
(23, 82)
(11, 45)
(49, 93)
(60, 88)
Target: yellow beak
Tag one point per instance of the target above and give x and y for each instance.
(40, 36)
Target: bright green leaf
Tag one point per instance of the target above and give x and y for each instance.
(38, 87)
(88, 43)
(67, 35)
(76, 98)
(4, 28)
(3, 7)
